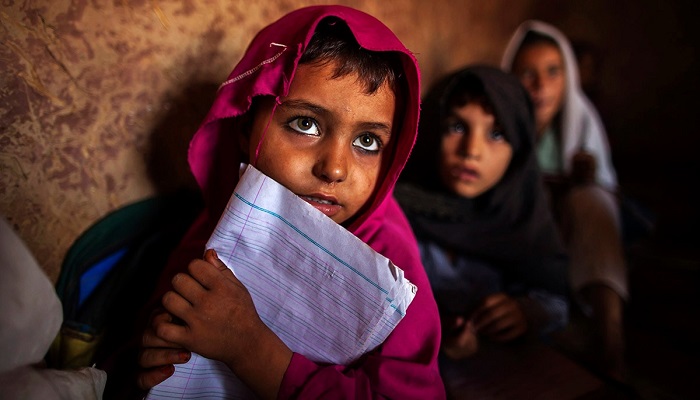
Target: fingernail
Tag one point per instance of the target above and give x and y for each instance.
(216, 255)
(166, 369)
(184, 356)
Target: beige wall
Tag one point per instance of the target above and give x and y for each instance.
(98, 98)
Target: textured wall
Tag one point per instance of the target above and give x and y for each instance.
(98, 98)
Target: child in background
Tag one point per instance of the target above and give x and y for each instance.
(325, 101)
(474, 197)
(574, 155)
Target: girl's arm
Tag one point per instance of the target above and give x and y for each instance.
(403, 367)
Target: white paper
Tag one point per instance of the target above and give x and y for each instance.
(324, 292)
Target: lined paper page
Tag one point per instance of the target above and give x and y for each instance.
(323, 291)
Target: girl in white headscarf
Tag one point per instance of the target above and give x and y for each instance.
(574, 155)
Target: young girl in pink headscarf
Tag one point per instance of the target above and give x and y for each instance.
(325, 101)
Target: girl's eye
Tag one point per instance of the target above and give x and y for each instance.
(527, 75)
(368, 142)
(456, 127)
(497, 135)
(554, 71)
(304, 125)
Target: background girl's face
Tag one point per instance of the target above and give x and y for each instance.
(540, 68)
(474, 152)
(326, 140)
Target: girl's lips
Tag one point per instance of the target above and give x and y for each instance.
(326, 205)
(541, 102)
(465, 174)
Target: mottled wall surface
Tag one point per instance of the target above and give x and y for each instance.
(99, 98)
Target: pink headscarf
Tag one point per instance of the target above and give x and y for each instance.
(267, 68)
(405, 365)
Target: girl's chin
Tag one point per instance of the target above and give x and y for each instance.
(467, 191)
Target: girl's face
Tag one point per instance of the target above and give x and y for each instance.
(326, 140)
(540, 68)
(475, 154)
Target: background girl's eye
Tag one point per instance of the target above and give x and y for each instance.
(554, 71)
(497, 134)
(528, 77)
(456, 128)
(367, 142)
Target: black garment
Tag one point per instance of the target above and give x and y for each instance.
(509, 226)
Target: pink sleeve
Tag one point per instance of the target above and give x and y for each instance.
(403, 367)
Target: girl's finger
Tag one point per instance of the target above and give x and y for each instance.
(187, 287)
(148, 378)
(204, 272)
(213, 258)
(156, 357)
(176, 305)
(174, 333)
(149, 337)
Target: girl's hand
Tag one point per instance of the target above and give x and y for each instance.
(158, 356)
(500, 318)
(221, 323)
(218, 313)
(460, 340)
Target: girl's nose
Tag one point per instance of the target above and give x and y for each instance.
(472, 145)
(332, 165)
(538, 81)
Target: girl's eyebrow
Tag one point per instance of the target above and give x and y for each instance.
(376, 126)
(304, 105)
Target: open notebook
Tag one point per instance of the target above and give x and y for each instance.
(324, 292)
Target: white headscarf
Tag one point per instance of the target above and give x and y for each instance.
(581, 126)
